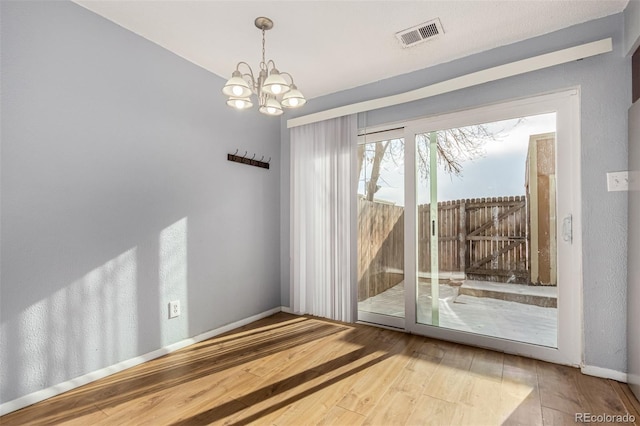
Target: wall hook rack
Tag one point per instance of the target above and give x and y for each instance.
(248, 161)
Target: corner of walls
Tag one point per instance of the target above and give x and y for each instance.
(285, 214)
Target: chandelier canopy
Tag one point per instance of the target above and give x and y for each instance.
(273, 91)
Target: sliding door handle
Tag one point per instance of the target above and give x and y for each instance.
(567, 229)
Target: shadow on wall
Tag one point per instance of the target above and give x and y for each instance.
(101, 318)
(109, 144)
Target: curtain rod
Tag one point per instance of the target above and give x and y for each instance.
(468, 80)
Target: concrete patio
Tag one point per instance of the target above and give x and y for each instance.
(495, 316)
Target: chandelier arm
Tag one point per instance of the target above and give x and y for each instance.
(245, 64)
(252, 79)
(272, 63)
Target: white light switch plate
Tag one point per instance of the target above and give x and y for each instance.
(618, 181)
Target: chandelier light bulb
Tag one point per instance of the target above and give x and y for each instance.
(236, 86)
(275, 84)
(276, 89)
(293, 98)
(237, 90)
(271, 106)
(239, 103)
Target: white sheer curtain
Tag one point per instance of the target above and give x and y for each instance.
(322, 208)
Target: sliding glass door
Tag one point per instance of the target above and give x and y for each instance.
(381, 295)
(485, 227)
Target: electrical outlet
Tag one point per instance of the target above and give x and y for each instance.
(174, 309)
(618, 181)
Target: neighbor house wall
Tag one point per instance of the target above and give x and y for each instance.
(117, 198)
(604, 81)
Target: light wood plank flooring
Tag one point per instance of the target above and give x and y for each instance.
(289, 370)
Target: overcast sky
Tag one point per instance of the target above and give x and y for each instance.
(501, 172)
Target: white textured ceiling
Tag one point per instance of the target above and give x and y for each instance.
(330, 46)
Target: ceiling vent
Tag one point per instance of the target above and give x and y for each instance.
(420, 33)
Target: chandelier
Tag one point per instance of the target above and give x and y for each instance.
(272, 90)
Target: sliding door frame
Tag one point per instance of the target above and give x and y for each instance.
(365, 137)
(566, 104)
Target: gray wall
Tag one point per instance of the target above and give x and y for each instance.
(605, 82)
(117, 198)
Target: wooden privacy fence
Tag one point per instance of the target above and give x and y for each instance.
(479, 238)
(380, 247)
(484, 238)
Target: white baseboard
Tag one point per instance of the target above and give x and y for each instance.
(604, 373)
(286, 309)
(52, 391)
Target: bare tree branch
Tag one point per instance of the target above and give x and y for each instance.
(455, 146)
(372, 185)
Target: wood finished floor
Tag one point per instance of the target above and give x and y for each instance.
(289, 370)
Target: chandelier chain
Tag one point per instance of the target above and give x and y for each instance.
(263, 54)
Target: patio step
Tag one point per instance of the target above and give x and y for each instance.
(544, 296)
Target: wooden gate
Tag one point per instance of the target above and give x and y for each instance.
(479, 238)
(497, 248)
